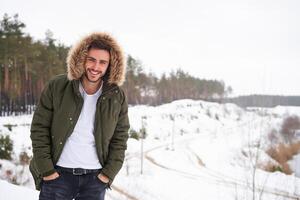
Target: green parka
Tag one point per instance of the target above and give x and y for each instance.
(60, 105)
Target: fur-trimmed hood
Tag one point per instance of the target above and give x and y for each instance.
(77, 56)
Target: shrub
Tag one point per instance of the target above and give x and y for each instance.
(282, 154)
(138, 135)
(24, 158)
(272, 167)
(133, 134)
(6, 147)
(289, 126)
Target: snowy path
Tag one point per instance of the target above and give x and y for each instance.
(202, 173)
(230, 181)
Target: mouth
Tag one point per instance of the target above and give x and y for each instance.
(94, 72)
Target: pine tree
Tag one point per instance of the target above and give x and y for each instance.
(6, 147)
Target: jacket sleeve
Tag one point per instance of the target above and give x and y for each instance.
(118, 144)
(40, 133)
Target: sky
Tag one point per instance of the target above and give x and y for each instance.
(253, 46)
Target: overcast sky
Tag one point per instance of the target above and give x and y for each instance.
(253, 46)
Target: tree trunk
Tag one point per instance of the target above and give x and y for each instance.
(6, 76)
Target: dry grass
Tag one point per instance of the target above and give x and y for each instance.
(282, 154)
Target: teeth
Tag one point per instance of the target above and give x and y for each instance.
(94, 73)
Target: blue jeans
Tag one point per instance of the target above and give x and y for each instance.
(68, 186)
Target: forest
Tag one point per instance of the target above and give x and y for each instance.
(26, 64)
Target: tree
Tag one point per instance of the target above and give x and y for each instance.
(25, 65)
(6, 147)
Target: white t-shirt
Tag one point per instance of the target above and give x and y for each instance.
(80, 148)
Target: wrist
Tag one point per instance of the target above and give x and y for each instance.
(103, 178)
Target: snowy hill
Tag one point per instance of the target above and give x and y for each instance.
(192, 150)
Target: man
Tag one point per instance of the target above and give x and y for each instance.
(80, 126)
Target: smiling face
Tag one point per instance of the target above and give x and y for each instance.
(97, 62)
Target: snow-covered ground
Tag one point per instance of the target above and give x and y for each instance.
(13, 192)
(193, 150)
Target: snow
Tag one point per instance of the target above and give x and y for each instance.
(193, 150)
(12, 192)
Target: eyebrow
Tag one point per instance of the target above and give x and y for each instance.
(94, 59)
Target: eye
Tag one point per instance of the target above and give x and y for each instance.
(90, 60)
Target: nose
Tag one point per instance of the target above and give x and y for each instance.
(96, 65)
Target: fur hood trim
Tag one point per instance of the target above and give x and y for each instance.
(77, 56)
